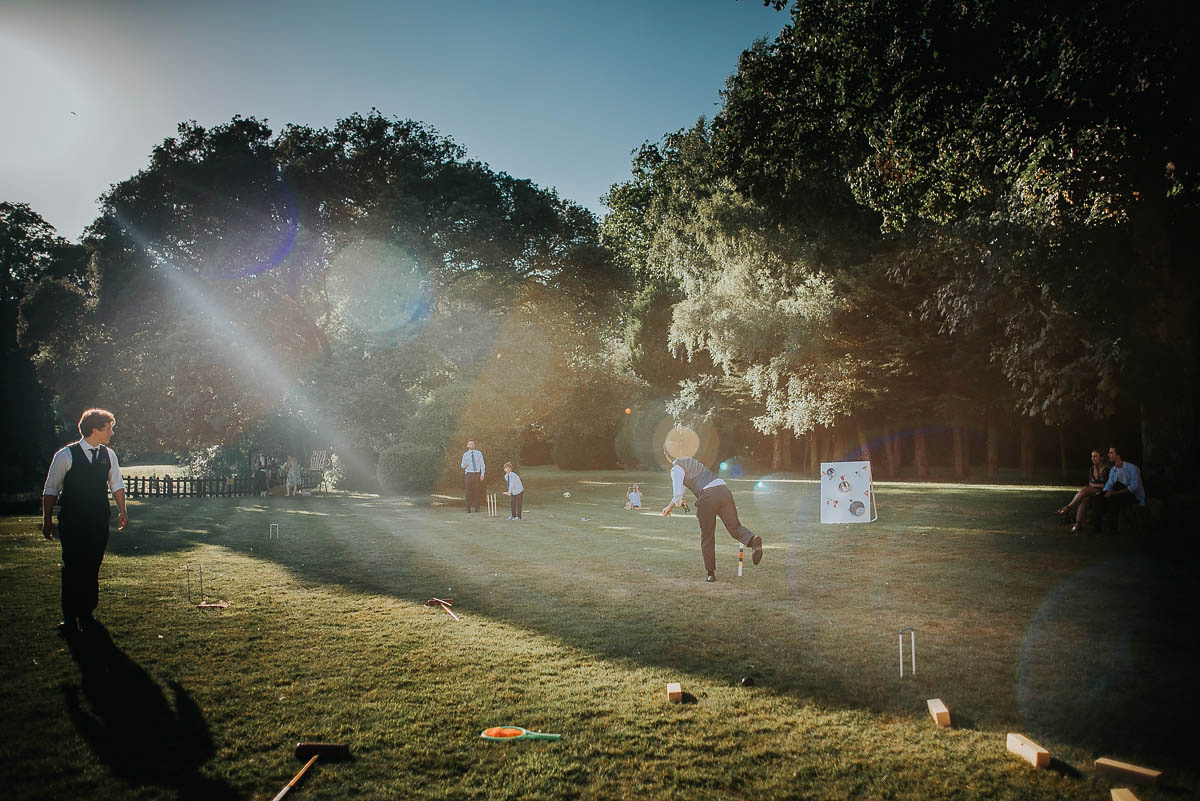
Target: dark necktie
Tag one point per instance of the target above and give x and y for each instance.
(94, 451)
(474, 466)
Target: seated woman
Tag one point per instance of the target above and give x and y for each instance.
(1097, 476)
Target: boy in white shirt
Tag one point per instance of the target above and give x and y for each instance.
(515, 493)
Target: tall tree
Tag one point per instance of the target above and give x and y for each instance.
(1042, 159)
(342, 274)
(30, 251)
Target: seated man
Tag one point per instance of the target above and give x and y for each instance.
(1124, 485)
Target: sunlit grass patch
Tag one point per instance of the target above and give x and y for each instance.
(575, 627)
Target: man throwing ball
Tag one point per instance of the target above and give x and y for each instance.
(713, 500)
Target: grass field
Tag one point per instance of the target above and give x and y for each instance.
(573, 621)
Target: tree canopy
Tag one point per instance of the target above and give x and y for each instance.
(342, 274)
(1020, 178)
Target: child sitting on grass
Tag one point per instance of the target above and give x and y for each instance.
(633, 497)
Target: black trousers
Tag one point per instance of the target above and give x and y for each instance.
(717, 502)
(515, 504)
(83, 549)
(1109, 509)
(473, 488)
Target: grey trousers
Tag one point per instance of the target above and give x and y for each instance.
(473, 489)
(717, 502)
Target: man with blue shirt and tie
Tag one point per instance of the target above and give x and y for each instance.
(79, 480)
(473, 472)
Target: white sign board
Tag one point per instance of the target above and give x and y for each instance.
(847, 495)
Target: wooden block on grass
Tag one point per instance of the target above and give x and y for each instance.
(1028, 750)
(1121, 794)
(1126, 771)
(941, 715)
(674, 692)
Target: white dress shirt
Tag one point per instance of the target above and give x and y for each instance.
(63, 460)
(472, 462)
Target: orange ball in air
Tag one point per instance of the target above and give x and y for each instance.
(629, 411)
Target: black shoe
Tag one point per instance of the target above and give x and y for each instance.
(67, 626)
(756, 554)
(711, 577)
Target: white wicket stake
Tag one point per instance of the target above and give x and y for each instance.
(273, 532)
(912, 649)
(741, 552)
(492, 505)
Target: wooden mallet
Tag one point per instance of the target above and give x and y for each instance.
(311, 752)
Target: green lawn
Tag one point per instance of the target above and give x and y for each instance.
(573, 621)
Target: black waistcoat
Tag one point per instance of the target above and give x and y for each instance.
(696, 476)
(84, 498)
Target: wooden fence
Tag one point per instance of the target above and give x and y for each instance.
(168, 487)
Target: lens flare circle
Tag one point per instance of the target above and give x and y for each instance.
(379, 288)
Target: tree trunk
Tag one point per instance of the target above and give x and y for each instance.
(886, 466)
(838, 437)
(920, 453)
(1062, 454)
(1028, 458)
(1165, 335)
(993, 450)
(864, 446)
(895, 450)
(960, 453)
(1168, 441)
(815, 451)
(781, 451)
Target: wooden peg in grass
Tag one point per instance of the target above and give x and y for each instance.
(1126, 771)
(941, 715)
(1028, 750)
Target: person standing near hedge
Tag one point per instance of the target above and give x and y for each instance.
(79, 480)
(473, 472)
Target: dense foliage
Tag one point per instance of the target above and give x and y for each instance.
(941, 210)
(339, 277)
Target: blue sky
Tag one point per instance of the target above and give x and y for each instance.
(557, 92)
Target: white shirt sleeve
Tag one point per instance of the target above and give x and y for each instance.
(59, 466)
(115, 482)
(676, 485)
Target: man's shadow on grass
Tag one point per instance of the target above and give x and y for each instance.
(125, 718)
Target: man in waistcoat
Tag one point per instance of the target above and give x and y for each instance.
(713, 500)
(473, 471)
(79, 480)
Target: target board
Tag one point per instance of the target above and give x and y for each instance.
(847, 494)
